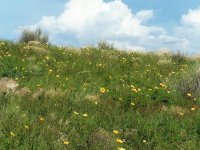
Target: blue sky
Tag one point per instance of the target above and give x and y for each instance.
(144, 24)
(168, 12)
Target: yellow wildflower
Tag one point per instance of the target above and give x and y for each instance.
(47, 57)
(193, 109)
(41, 119)
(120, 148)
(115, 132)
(133, 104)
(102, 90)
(134, 90)
(27, 127)
(12, 134)
(144, 141)
(119, 141)
(76, 113)
(189, 94)
(85, 115)
(121, 99)
(132, 86)
(156, 88)
(162, 85)
(180, 113)
(65, 142)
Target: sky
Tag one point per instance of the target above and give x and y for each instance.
(127, 24)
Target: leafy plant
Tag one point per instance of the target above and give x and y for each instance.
(178, 58)
(37, 35)
(104, 45)
(189, 84)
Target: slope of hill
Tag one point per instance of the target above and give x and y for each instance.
(89, 98)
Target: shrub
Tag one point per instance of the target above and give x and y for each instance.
(179, 58)
(189, 83)
(104, 45)
(37, 35)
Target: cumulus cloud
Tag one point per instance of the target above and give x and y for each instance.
(85, 22)
(144, 15)
(192, 18)
(190, 29)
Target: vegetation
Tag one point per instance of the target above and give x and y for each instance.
(96, 99)
(37, 35)
(103, 45)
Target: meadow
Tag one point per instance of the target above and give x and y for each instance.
(98, 99)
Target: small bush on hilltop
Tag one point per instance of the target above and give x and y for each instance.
(104, 45)
(37, 35)
(179, 58)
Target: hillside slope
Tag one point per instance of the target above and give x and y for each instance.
(95, 99)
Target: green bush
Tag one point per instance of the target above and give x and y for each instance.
(37, 35)
(104, 45)
(179, 58)
(189, 83)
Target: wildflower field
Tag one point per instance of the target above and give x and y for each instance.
(97, 99)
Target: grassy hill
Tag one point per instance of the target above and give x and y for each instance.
(96, 99)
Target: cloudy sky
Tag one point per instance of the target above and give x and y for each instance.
(128, 24)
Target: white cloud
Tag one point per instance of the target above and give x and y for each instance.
(190, 29)
(85, 22)
(144, 15)
(192, 18)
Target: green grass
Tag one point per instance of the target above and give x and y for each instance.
(146, 114)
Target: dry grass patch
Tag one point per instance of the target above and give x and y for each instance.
(102, 139)
(37, 47)
(8, 85)
(38, 93)
(174, 110)
(92, 98)
(53, 92)
(25, 91)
